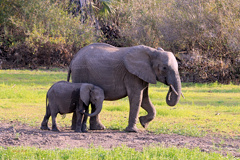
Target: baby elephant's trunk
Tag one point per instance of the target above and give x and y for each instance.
(96, 112)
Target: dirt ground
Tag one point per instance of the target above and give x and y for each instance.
(16, 134)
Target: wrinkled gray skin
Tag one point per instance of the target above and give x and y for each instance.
(127, 71)
(65, 97)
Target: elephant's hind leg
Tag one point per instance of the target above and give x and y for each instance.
(44, 125)
(54, 124)
(148, 106)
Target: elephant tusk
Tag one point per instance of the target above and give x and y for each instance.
(174, 89)
(169, 95)
(182, 95)
(82, 111)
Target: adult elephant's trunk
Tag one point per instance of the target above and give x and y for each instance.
(96, 112)
(174, 91)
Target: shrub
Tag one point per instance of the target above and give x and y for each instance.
(40, 32)
(203, 34)
(207, 29)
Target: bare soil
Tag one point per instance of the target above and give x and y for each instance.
(16, 134)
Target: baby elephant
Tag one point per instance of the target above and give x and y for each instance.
(65, 97)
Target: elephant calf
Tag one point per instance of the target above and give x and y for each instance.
(65, 97)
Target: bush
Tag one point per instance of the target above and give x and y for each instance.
(203, 34)
(206, 29)
(40, 32)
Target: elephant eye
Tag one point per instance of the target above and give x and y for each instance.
(164, 68)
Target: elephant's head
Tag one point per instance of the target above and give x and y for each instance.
(95, 95)
(153, 65)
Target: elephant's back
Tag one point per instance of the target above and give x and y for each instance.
(101, 65)
(97, 56)
(61, 88)
(60, 93)
(97, 49)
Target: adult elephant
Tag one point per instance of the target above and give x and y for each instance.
(127, 71)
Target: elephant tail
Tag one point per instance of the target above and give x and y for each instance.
(69, 74)
(47, 100)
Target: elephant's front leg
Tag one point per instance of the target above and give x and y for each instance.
(79, 115)
(135, 95)
(135, 101)
(74, 121)
(84, 123)
(148, 106)
(79, 121)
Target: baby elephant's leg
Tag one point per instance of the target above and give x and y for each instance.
(54, 124)
(84, 123)
(79, 121)
(74, 121)
(44, 125)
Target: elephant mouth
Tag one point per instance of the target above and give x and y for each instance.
(172, 89)
(165, 81)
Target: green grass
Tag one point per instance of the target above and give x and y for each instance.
(208, 109)
(23, 94)
(150, 153)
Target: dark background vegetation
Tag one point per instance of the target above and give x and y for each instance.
(204, 35)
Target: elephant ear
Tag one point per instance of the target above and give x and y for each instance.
(85, 93)
(138, 62)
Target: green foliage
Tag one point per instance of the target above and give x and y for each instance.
(41, 33)
(122, 152)
(45, 21)
(180, 25)
(203, 34)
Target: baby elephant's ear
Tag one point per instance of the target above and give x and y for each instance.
(85, 93)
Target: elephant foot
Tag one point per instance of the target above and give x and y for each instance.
(97, 126)
(84, 128)
(55, 130)
(44, 128)
(143, 121)
(131, 129)
(84, 131)
(78, 131)
(73, 127)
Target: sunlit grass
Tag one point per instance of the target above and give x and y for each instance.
(123, 152)
(207, 109)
